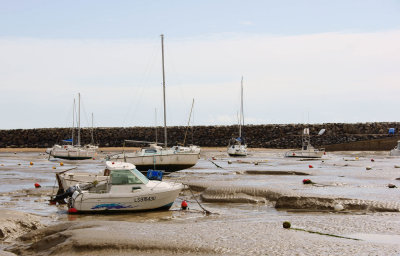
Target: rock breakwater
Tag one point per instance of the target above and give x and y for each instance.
(258, 136)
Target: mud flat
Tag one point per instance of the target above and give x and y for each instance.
(211, 236)
(248, 204)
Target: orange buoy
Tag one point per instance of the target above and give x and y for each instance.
(31, 163)
(54, 167)
(61, 164)
(184, 205)
(37, 185)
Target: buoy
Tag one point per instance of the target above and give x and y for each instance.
(293, 154)
(61, 164)
(324, 153)
(112, 163)
(229, 162)
(286, 224)
(356, 158)
(390, 185)
(213, 158)
(94, 158)
(368, 168)
(372, 160)
(31, 163)
(72, 210)
(338, 207)
(54, 167)
(184, 205)
(307, 181)
(310, 166)
(37, 185)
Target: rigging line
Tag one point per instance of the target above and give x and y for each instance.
(175, 74)
(141, 85)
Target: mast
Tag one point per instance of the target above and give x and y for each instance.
(155, 117)
(79, 119)
(73, 122)
(92, 142)
(163, 74)
(187, 128)
(241, 119)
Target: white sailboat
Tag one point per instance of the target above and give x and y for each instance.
(237, 146)
(157, 157)
(73, 151)
(396, 150)
(191, 148)
(120, 187)
(307, 150)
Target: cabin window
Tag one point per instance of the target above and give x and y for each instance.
(124, 177)
(152, 151)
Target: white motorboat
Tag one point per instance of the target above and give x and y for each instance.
(396, 150)
(125, 189)
(307, 150)
(157, 157)
(238, 146)
(71, 151)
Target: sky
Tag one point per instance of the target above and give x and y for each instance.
(301, 62)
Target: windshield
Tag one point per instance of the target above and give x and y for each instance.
(123, 177)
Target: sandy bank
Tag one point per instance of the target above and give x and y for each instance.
(209, 236)
(13, 224)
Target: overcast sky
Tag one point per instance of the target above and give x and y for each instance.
(302, 61)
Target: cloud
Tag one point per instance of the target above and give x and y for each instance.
(344, 77)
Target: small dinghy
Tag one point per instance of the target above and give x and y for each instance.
(125, 189)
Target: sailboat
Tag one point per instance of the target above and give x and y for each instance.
(307, 150)
(237, 146)
(396, 150)
(159, 157)
(74, 151)
(191, 148)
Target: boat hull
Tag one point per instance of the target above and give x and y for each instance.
(94, 202)
(305, 154)
(237, 150)
(168, 163)
(71, 153)
(395, 152)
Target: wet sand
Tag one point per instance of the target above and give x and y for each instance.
(249, 199)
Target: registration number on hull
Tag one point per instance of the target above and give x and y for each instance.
(144, 199)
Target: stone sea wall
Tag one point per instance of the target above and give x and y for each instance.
(257, 136)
